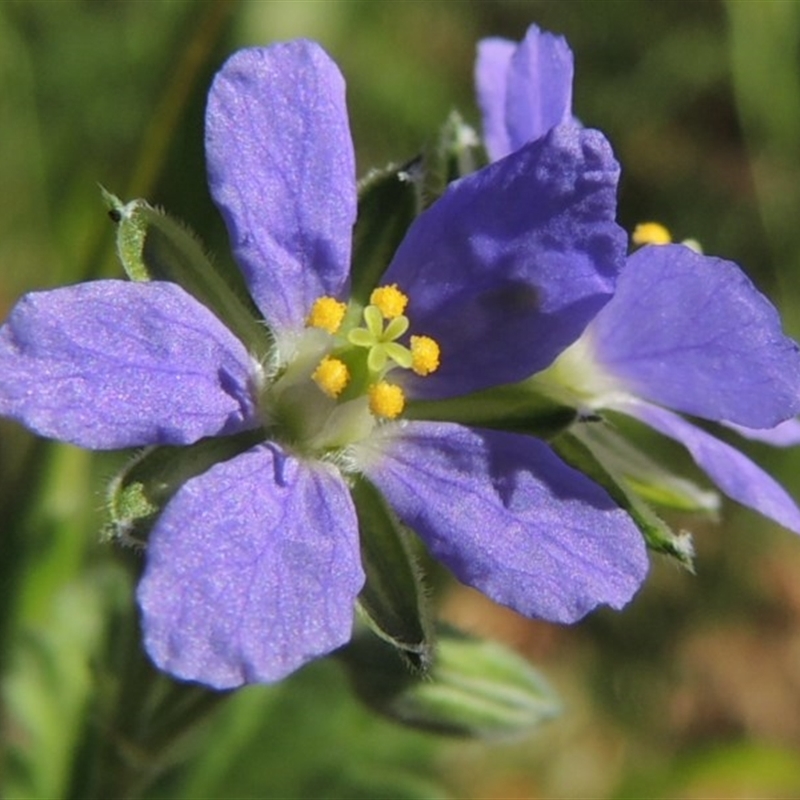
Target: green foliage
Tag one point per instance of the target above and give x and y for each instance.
(745, 769)
(574, 448)
(305, 738)
(50, 685)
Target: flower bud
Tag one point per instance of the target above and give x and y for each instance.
(474, 688)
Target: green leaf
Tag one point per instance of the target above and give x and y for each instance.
(575, 448)
(393, 600)
(152, 246)
(388, 201)
(137, 494)
(475, 688)
(514, 407)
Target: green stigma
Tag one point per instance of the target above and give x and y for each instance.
(380, 340)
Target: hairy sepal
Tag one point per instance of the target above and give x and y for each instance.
(136, 496)
(154, 247)
(512, 407)
(388, 201)
(393, 602)
(578, 453)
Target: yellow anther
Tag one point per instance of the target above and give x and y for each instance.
(650, 233)
(331, 375)
(386, 400)
(326, 313)
(390, 300)
(424, 355)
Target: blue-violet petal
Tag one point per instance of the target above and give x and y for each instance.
(510, 518)
(692, 333)
(112, 364)
(252, 570)
(539, 93)
(506, 269)
(734, 473)
(491, 83)
(281, 169)
(787, 434)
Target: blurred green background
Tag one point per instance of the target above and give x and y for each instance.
(691, 692)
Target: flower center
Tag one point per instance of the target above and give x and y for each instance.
(578, 378)
(342, 374)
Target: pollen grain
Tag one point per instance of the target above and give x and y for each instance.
(424, 355)
(390, 300)
(331, 375)
(386, 400)
(650, 233)
(326, 313)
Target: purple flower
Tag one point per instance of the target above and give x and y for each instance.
(684, 332)
(690, 333)
(253, 567)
